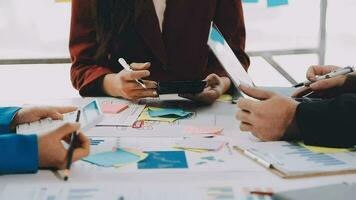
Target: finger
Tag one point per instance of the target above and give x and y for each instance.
(246, 127)
(301, 92)
(138, 74)
(142, 93)
(150, 84)
(256, 93)
(66, 129)
(212, 79)
(246, 104)
(244, 116)
(317, 70)
(83, 149)
(65, 109)
(140, 66)
(327, 83)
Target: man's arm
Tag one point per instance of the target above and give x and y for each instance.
(7, 114)
(328, 123)
(18, 153)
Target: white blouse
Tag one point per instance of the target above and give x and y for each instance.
(160, 7)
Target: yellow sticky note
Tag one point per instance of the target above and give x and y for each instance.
(146, 117)
(225, 98)
(318, 149)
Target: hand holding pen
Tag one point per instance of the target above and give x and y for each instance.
(128, 83)
(323, 81)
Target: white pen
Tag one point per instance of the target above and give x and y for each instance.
(128, 68)
(332, 74)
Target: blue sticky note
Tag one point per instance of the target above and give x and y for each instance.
(164, 160)
(250, 1)
(109, 159)
(273, 3)
(168, 112)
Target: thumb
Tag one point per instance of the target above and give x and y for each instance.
(256, 93)
(66, 129)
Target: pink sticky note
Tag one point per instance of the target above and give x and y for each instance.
(113, 108)
(203, 130)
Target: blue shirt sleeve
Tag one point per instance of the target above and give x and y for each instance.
(7, 114)
(18, 153)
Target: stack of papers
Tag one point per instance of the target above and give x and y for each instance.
(200, 144)
(118, 158)
(163, 114)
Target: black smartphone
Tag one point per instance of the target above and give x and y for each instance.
(181, 87)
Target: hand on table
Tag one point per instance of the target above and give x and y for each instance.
(33, 114)
(324, 88)
(51, 152)
(123, 84)
(216, 86)
(272, 118)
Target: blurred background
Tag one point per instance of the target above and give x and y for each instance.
(283, 41)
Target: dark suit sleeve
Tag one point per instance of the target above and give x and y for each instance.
(229, 19)
(87, 73)
(328, 123)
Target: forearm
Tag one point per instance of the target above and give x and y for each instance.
(7, 115)
(18, 154)
(328, 123)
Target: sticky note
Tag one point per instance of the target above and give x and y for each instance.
(164, 160)
(201, 143)
(202, 130)
(225, 98)
(163, 114)
(118, 158)
(167, 112)
(274, 3)
(113, 108)
(317, 149)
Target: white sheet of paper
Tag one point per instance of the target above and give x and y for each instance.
(125, 118)
(210, 144)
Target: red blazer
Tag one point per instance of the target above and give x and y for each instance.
(180, 52)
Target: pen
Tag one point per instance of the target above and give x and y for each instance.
(72, 146)
(128, 68)
(332, 74)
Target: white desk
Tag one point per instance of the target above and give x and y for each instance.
(247, 175)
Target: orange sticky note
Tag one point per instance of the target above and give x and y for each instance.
(203, 130)
(113, 108)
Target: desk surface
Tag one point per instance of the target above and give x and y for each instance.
(248, 174)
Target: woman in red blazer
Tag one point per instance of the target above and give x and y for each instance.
(165, 40)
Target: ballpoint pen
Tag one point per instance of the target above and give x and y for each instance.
(332, 74)
(72, 146)
(128, 68)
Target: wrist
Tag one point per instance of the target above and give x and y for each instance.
(292, 131)
(108, 85)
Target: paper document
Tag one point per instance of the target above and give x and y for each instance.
(209, 144)
(114, 191)
(291, 159)
(125, 118)
(103, 144)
